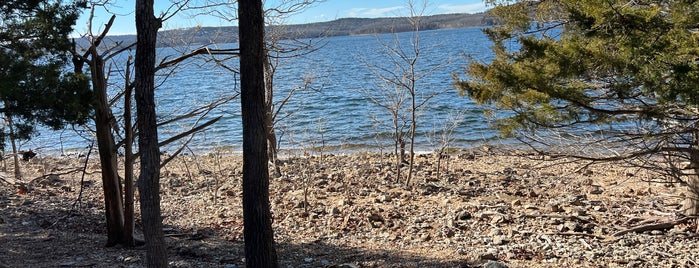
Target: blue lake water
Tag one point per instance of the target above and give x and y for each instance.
(337, 111)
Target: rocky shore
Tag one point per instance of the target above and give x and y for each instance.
(483, 208)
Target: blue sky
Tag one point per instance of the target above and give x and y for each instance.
(323, 11)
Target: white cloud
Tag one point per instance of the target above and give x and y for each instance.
(469, 8)
(373, 12)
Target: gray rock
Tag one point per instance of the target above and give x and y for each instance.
(344, 265)
(68, 264)
(494, 264)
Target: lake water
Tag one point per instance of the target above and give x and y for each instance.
(337, 112)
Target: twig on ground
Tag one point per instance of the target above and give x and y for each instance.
(651, 227)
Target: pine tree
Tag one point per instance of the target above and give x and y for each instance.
(35, 86)
(627, 70)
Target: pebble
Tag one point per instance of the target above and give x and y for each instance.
(555, 208)
(500, 240)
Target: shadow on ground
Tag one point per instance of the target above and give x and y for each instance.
(41, 229)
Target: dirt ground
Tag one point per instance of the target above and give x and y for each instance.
(484, 208)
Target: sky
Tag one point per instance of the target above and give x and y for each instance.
(323, 11)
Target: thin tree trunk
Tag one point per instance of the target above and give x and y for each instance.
(113, 202)
(269, 117)
(149, 179)
(13, 142)
(128, 161)
(692, 200)
(259, 237)
(413, 126)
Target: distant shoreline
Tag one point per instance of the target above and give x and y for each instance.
(198, 36)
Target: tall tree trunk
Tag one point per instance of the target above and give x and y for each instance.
(113, 202)
(259, 237)
(128, 160)
(149, 179)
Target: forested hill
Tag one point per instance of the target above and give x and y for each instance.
(339, 27)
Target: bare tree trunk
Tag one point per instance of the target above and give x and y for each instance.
(147, 26)
(13, 142)
(259, 237)
(413, 126)
(128, 161)
(692, 201)
(269, 117)
(111, 184)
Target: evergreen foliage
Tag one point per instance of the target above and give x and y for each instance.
(599, 80)
(35, 86)
(564, 63)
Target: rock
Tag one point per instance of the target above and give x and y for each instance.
(449, 233)
(463, 215)
(494, 264)
(425, 237)
(230, 192)
(500, 240)
(344, 265)
(488, 256)
(596, 190)
(68, 264)
(599, 208)
(384, 198)
(555, 208)
(571, 226)
(581, 212)
(325, 262)
(228, 260)
(334, 211)
(308, 260)
(375, 217)
(576, 200)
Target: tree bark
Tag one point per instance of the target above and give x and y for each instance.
(129, 190)
(147, 26)
(691, 205)
(269, 115)
(259, 237)
(113, 202)
(13, 142)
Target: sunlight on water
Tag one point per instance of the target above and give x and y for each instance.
(336, 112)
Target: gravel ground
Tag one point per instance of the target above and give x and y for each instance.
(482, 209)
